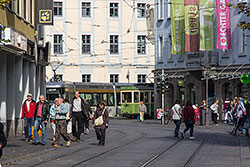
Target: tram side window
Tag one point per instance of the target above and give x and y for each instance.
(127, 97)
(118, 95)
(136, 97)
(105, 98)
(110, 99)
(88, 97)
(144, 97)
(96, 98)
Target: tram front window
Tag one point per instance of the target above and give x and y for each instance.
(126, 97)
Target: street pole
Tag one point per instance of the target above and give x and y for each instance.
(207, 111)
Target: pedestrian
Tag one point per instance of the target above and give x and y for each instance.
(41, 118)
(196, 111)
(239, 111)
(226, 112)
(214, 107)
(202, 114)
(142, 109)
(3, 140)
(60, 121)
(101, 122)
(86, 119)
(28, 111)
(189, 115)
(78, 112)
(52, 118)
(68, 117)
(177, 116)
(247, 119)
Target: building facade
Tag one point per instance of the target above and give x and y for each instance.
(187, 73)
(100, 41)
(22, 61)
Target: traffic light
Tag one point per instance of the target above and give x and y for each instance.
(166, 84)
(158, 85)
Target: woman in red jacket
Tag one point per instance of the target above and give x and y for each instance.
(189, 120)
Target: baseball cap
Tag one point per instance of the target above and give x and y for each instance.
(29, 94)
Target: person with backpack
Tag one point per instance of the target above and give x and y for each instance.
(189, 115)
(101, 122)
(176, 117)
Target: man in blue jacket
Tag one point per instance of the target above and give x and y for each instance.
(60, 121)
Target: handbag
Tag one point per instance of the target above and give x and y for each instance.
(99, 121)
(191, 121)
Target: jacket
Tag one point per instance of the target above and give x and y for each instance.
(53, 111)
(214, 107)
(189, 113)
(3, 140)
(142, 108)
(45, 111)
(25, 112)
(84, 110)
(61, 114)
(98, 113)
(176, 110)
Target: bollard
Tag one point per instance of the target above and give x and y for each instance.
(163, 119)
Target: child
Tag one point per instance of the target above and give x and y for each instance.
(3, 140)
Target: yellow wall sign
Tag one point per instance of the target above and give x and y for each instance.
(45, 16)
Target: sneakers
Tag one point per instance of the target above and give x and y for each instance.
(68, 143)
(26, 140)
(57, 146)
(54, 139)
(78, 140)
(87, 131)
(191, 138)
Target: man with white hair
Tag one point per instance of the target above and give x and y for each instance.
(41, 118)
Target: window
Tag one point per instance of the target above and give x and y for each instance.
(126, 97)
(86, 78)
(114, 78)
(141, 78)
(24, 6)
(141, 44)
(141, 10)
(114, 49)
(86, 44)
(144, 96)
(161, 10)
(243, 43)
(111, 101)
(160, 49)
(136, 97)
(113, 10)
(86, 9)
(58, 8)
(58, 44)
(169, 10)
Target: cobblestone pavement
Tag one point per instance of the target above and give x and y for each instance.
(133, 144)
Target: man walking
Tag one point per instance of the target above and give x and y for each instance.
(60, 121)
(141, 110)
(78, 112)
(41, 117)
(240, 110)
(28, 110)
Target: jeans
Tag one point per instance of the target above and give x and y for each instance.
(100, 135)
(177, 128)
(27, 126)
(77, 117)
(189, 126)
(39, 122)
(237, 125)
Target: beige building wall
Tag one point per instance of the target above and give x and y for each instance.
(100, 63)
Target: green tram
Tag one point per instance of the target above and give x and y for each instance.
(132, 95)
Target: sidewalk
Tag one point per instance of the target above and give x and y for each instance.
(17, 149)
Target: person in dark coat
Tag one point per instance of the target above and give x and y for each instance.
(101, 129)
(3, 140)
(189, 115)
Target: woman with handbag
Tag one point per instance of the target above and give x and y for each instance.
(177, 116)
(100, 121)
(189, 115)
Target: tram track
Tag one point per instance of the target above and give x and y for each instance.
(187, 163)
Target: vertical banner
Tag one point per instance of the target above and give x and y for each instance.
(192, 26)
(206, 25)
(223, 24)
(177, 27)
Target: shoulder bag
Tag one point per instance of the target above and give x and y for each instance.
(99, 121)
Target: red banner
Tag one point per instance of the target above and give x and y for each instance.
(192, 39)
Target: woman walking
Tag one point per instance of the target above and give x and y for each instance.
(214, 107)
(189, 115)
(177, 115)
(100, 121)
